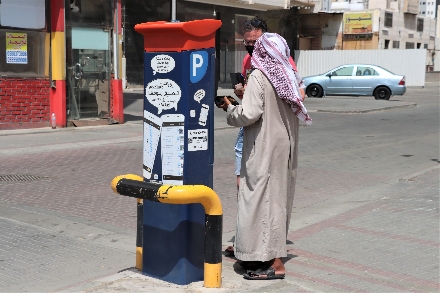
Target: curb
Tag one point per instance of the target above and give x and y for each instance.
(412, 177)
(49, 129)
(367, 111)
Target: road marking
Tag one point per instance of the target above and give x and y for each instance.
(414, 175)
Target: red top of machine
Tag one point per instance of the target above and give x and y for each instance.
(162, 36)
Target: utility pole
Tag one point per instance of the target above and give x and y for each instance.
(173, 10)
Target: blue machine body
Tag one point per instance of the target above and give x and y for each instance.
(179, 91)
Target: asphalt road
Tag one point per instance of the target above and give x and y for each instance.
(65, 227)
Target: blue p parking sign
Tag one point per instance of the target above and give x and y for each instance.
(198, 65)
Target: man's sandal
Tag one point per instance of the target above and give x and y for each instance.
(229, 251)
(260, 274)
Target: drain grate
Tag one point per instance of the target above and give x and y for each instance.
(20, 178)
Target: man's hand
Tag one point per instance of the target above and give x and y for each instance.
(303, 94)
(226, 102)
(239, 90)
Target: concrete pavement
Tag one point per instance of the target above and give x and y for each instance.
(362, 229)
(360, 244)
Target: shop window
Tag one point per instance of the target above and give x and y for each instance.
(420, 24)
(24, 44)
(23, 14)
(388, 19)
(396, 44)
(24, 53)
(88, 12)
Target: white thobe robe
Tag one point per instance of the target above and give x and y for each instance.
(268, 170)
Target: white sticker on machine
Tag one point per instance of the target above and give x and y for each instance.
(197, 140)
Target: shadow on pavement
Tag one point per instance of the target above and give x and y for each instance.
(131, 118)
(132, 97)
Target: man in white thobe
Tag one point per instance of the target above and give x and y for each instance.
(269, 114)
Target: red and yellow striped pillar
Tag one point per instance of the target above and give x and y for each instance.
(117, 95)
(58, 62)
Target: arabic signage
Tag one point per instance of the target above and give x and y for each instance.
(357, 37)
(16, 48)
(358, 23)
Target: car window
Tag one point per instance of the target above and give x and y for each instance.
(365, 70)
(344, 71)
(386, 70)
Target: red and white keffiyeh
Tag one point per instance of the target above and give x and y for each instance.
(271, 56)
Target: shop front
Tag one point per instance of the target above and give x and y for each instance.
(24, 63)
(88, 55)
(93, 89)
(60, 57)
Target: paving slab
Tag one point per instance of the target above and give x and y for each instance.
(362, 246)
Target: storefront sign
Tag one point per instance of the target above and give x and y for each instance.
(16, 48)
(358, 23)
(357, 37)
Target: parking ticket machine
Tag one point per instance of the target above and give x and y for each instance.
(178, 145)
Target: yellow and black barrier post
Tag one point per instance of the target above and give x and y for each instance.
(140, 220)
(134, 186)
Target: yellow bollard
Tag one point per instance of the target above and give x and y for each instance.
(139, 219)
(133, 186)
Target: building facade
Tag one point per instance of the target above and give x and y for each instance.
(61, 57)
(68, 57)
(72, 57)
(428, 8)
(372, 24)
(281, 16)
(436, 55)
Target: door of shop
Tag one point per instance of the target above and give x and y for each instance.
(87, 60)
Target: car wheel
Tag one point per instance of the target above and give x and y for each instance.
(382, 93)
(314, 90)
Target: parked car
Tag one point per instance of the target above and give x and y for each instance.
(356, 80)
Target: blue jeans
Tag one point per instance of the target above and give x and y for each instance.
(238, 151)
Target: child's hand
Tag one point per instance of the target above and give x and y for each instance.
(239, 90)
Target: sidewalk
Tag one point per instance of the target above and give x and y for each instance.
(360, 244)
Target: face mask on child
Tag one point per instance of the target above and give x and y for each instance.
(250, 49)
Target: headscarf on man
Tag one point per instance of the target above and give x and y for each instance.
(271, 56)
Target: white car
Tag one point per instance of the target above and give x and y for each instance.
(356, 80)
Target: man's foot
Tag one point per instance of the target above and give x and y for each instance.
(229, 251)
(274, 270)
(263, 274)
